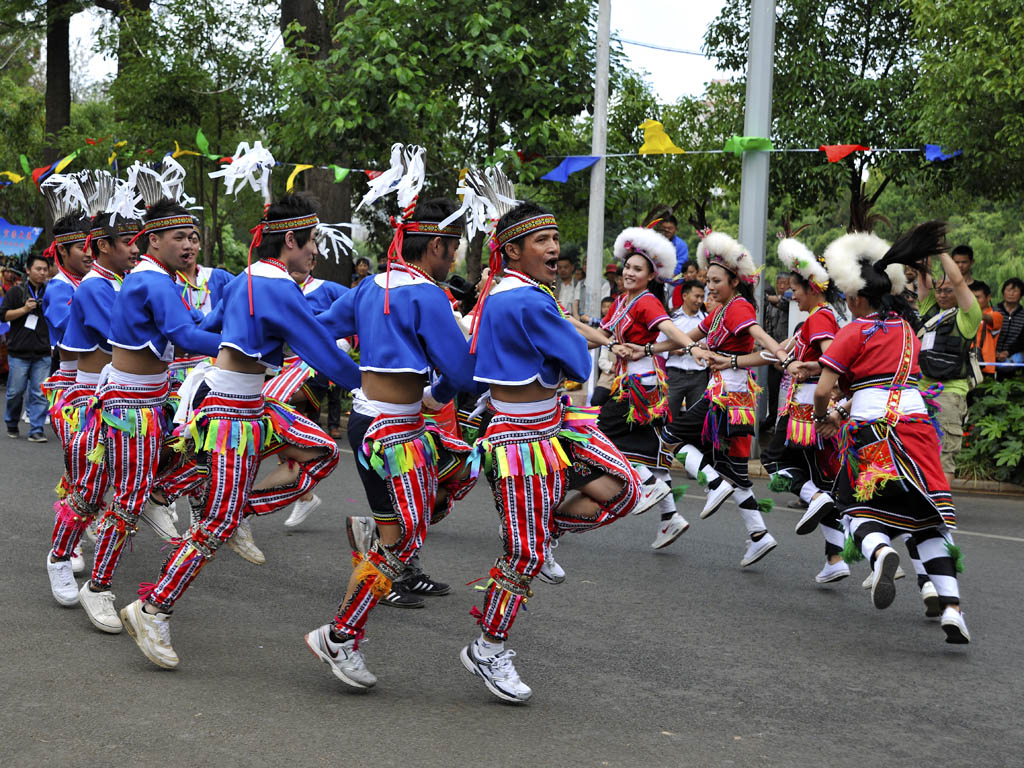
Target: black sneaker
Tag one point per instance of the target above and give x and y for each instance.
(421, 584)
(13, 434)
(37, 438)
(400, 597)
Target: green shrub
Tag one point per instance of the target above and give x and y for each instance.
(993, 447)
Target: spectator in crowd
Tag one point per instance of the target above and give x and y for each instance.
(11, 277)
(963, 257)
(361, 271)
(565, 286)
(611, 273)
(1013, 323)
(951, 317)
(687, 379)
(619, 287)
(668, 226)
(689, 274)
(605, 365)
(581, 293)
(580, 274)
(28, 349)
(910, 292)
(776, 325)
(991, 324)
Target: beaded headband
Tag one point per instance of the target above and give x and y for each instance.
(525, 227)
(274, 227)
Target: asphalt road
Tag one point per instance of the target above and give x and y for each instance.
(639, 658)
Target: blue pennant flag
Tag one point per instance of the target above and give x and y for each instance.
(933, 152)
(568, 166)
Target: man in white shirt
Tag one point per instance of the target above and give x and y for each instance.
(687, 379)
(565, 286)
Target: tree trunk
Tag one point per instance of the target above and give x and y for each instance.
(335, 207)
(307, 13)
(58, 74)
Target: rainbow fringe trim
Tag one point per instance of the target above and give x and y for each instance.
(401, 458)
(218, 435)
(646, 404)
(536, 457)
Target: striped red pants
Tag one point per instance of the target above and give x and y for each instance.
(232, 465)
(86, 481)
(398, 449)
(528, 503)
(132, 436)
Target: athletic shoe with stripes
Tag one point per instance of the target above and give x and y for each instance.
(345, 659)
(400, 597)
(670, 530)
(422, 584)
(650, 495)
(498, 673)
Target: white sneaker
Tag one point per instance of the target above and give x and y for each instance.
(301, 511)
(90, 530)
(550, 571)
(883, 590)
(716, 498)
(816, 510)
(498, 673)
(62, 581)
(243, 544)
(833, 572)
(651, 494)
(151, 633)
(99, 607)
(345, 660)
(77, 561)
(360, 529)
(900, 574)
(670, 530)
(158, 517)
(174, 511)
(758, 549)
(954, 626)
(930, 596)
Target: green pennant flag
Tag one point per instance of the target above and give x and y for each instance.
(24, 165)
(339, 173)
(740, 144)
(202, 143)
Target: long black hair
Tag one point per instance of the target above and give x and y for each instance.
(913, 250)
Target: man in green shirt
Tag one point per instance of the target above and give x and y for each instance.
(950, 316)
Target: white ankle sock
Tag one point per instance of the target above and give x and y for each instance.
(487, 648)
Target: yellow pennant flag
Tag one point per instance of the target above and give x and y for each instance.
(12, 176)
(291, 177)
(178, 151)
(656, 141)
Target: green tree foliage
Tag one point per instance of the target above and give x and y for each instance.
(844, 74)
(970, 94)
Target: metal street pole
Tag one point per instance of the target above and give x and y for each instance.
(757, 121)
(598, 146)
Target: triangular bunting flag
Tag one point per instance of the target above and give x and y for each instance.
(656, 141)
(836, 152)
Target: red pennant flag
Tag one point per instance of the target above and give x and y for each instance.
(371, 175)
(39, 175)
(836, 152)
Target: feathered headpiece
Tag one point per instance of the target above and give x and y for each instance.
(331, 239)
(405, 176)
(249, 165)
(717, 248)
(798, 258)
(64, 200)
(652, 246)
(487, 195)
(845, 255)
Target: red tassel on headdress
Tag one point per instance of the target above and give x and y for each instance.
(257, 239)
(51, 251)
(494, 265)
(401, 226)
(137, 235)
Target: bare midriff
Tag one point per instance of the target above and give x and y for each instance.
(522, 393)
(141, 362)
(230, 359)
(399, 388)
(93, 362)
(65, 355)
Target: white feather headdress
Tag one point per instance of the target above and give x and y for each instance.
(718, 248)
(404, 176)
(63, 196)
(331, 239)
(487, 195)
(249, 165)
(658, 250)
(798, 258)
(844, 256)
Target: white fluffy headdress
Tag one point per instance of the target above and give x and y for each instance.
(798, 258)
(844, 256)
(658, 251)
(718, 248)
